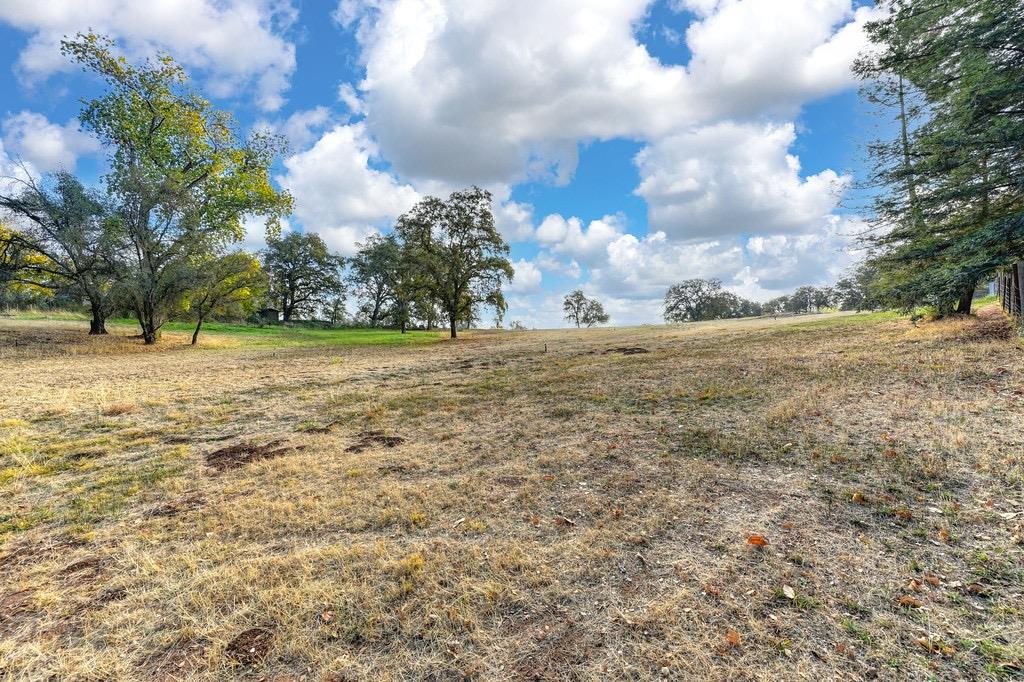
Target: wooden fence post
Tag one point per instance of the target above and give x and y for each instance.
(1020, 288)
(999, 289)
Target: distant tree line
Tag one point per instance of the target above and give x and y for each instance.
(156, 240)
(949, 200)
(697, 299)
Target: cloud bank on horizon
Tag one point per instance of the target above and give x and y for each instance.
(431, 95)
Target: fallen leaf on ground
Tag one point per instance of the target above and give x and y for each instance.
(758, 540)
(732, 638)
(789, 592)
(910, 602)
(935, 647)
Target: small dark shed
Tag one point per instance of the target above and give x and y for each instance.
(271, 315)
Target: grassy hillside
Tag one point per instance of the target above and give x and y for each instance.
(791, 499)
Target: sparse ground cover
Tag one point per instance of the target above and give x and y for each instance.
(791, 499)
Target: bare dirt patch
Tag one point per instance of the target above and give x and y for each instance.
(251, 646)
(16, 602)
(91, 565)
(181, 505)
(628, 350)
(235, 456)
(371, 439)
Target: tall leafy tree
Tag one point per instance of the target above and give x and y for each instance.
(583, 311)
(461, 255)
(856, 291)
(697, 299)
(180, 179)
(227, 285)
(950, 209)
(304, 274)
(62, 240)
(691, 300)
(407, 282)
(370, 274)
(807, 299)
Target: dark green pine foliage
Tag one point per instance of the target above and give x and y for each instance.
(951, 206)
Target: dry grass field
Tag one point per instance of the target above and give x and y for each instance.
(837, 497)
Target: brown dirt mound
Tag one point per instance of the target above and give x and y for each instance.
(93, 563)
(183, 504)
(251, 646)
(235, 456)
(15, 602)
(627, 350)
(368, 439)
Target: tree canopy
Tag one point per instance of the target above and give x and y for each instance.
(950, 203)
(583, 311)
(62, 240)
(180, 180)
(460, 256)
(303, 273)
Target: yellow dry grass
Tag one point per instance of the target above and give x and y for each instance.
(485, 509)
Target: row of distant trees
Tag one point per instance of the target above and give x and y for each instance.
(155, 241)
(443, 261)
(704, 299)
(697, 299)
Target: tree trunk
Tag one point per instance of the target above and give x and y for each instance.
(150, 329)
(98, 324)
(375, 315)
(452, 323)
(195, 334)
(963, 306)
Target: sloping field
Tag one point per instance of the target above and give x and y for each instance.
(839, 498)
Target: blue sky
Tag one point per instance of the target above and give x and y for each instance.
(628, 144)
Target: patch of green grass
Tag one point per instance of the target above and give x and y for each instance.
(1004, 660)
(282, 336)
(17, 523)
(855, 629)
(849, 320)
(108, 494)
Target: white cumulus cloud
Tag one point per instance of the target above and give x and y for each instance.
(338, 193)
(238, 44)
(570, 238)
(527, 278)
(47, 146)
(733, 178)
